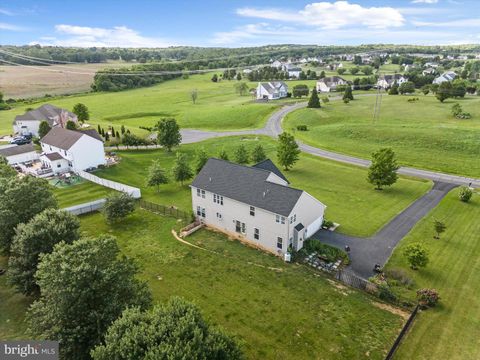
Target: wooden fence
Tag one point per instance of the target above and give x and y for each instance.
(402, 334)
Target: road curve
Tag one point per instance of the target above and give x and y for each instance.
(273, 128)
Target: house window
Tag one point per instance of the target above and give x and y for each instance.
(218, 199)
(280, 219)
(219, 216)
(198, 192)
(279, 243)
(70, 164)
(252, 211)
(200, 211)
(240, 227)
(203, 194)
(256, 234)
(59, 165)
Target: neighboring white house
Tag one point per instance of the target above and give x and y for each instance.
(29, 122)
(446, 76)
(68, 150)
(294, 72)
(17, 154)
(429, 71)
(431, 65)
(386, 81)
(277, 64)
(328, 84)
(256, 205)
(272, 90)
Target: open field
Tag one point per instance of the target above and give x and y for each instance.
(361, 211)
(449, 331)
(424, 134)
(218, 106)
(25, 82)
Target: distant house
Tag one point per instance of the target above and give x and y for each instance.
(256, 205)
(17, 154)
(294, 72)
(386, 81)
(331, 83)
(68, 150)
(29, 122)
(271, 90)
(431, 65)
(335, 66)
(276, 64)
(446, 76)
(410, 67)
(429, 71)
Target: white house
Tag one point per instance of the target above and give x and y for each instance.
(68, 150)
(446, 76)
(256, 205)
(17, 154)
(277, 64)
(29, 122)
(294, 72)
(386, 81)
(328, 84)
(272, 90)
(431, 65)
(429, 71)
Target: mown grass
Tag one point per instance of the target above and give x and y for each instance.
(423, 134)
(218, 106)
(451, 330)
(276, 310)
(350, 199)
(80, 193)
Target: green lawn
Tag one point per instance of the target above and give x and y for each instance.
(423, 134)
(450, 331)
(276, 310)
(350, 200)
(80, 193)
(217, 107)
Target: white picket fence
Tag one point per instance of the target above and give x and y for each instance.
(130, 190)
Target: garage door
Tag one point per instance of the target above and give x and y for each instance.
(314, 227)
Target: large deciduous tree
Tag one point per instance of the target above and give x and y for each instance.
(81, 110)
(84, 286)
(20, 200)
(36, 237)
(181, 169)
(383, 170)
(287, 150)
(168, 133)
(175, 330)
(156, 175)
(117, 206)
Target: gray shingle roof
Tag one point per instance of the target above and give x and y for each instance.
(332, 80)
(17, 150)
(273, 86)
(64, 138)
(268, 165)
(54, 156)
(45, 112)
(248, 185)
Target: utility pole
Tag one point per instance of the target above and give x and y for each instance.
(378, 104)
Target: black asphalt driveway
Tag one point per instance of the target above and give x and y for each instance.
(366, 252)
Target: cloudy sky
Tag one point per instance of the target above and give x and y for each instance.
(232, 23)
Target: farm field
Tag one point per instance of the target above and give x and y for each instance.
(328, 181)
(423, 134)
(449, 331)
(25, 82)
(218, 106)
(277, 310)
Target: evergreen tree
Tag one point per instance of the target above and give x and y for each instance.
(70, 125)
(223, 155)
(122, 129)
(347, 94)
(287, 150)
(394, 89)
(99, 129)
(314, 101)
(383, 170)
(113, 131)
(241, 155)
(201, 160)
(181, 170)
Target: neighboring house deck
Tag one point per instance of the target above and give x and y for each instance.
(271, 90)
(331, 83)
(256, 205)
(29, 122)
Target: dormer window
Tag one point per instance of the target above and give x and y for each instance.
(252, 211)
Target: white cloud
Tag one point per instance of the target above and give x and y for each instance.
(11, 27)
(6, 12)
(424, 1)
(335, 15)
(85, 36)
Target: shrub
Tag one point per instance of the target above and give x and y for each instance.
(400, 276)
(385, 293)
(118, 206)
(417, 255)
(427, 297)
(465, 194)
(302, 128)
(325, 99)
(331, 253)
(327, 223)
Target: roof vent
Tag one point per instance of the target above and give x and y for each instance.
(210, 179)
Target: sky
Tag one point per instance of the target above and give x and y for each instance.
(233, 23)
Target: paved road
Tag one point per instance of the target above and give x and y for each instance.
(366, 252)
(274, 127)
